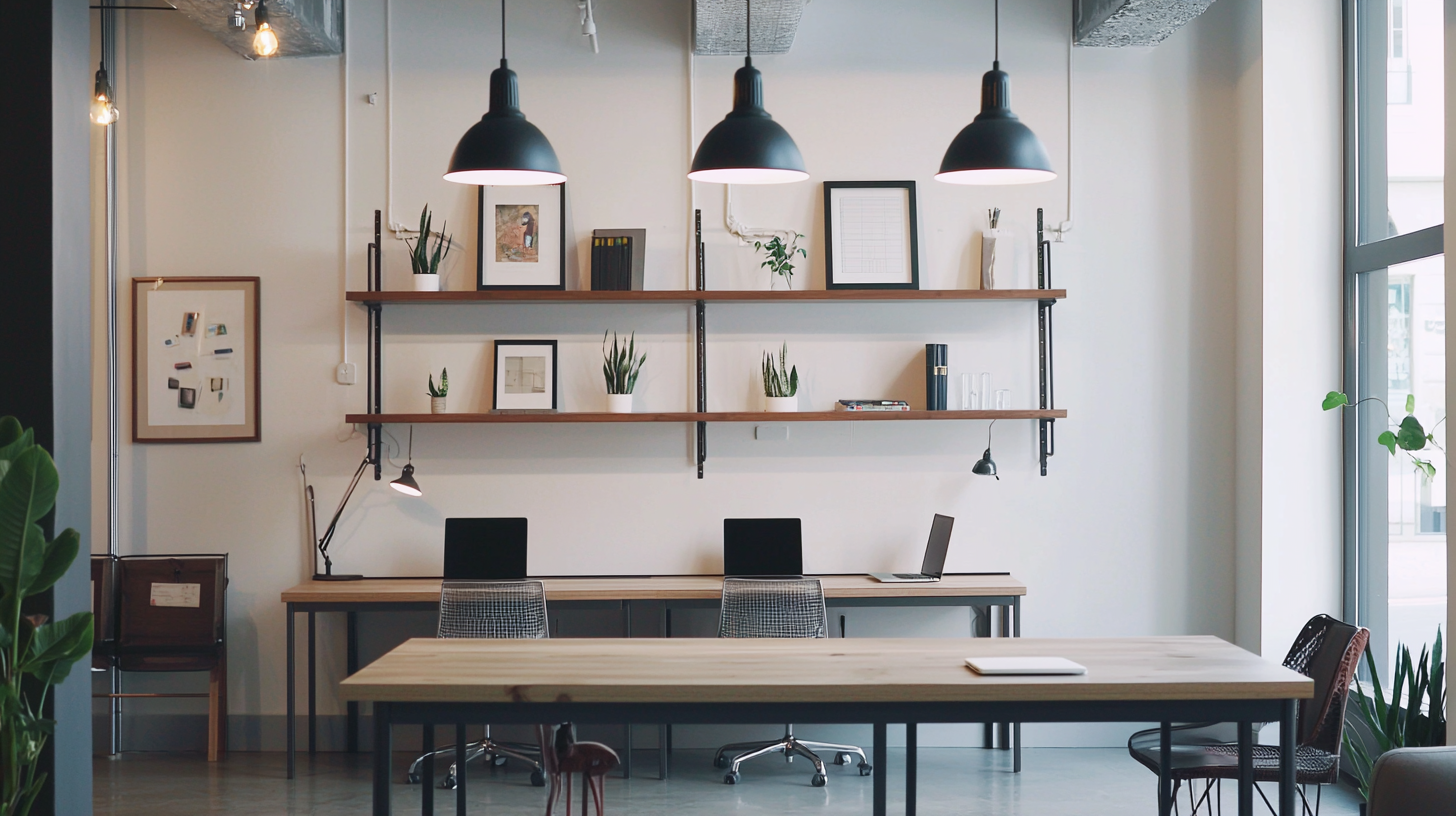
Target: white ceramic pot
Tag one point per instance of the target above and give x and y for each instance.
(437, 404)
(426, 283)
(781, 405)
(619, 403)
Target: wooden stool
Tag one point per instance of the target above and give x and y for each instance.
(565, 756)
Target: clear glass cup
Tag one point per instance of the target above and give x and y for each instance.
(1003, 399)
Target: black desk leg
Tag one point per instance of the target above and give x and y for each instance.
(312, 687)
(1286, 760)
(910, 760)
(881, 771)
(1016, 729)
(460, 754)
(627, 633)
(352, 665)
(1246, 769)
(1165, 770)
(1004, 729)
(981, 627)
(383, 752)
(427, 773)
(664, 730)
(288, 720)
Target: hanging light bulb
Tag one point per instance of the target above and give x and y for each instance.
(748, 146)
(265, 42)
(103, 107)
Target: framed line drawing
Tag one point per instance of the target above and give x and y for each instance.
(525, 376)
(520, 237)
(196, 369)
(870, 235)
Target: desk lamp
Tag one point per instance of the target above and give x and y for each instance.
(322, 543)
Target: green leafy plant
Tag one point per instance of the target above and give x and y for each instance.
(779, 380)
(621, 364)
(781, 256)
(422, 259)
(1416, 720)
(444, 383)
(29, 646)
(1409, 436)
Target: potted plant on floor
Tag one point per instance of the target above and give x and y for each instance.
(424, 262)
(620, 367)
(780, 261)
(780, 383)
(437, 395)
(36, 655)
(1414, 717)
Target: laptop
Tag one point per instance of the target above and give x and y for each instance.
(934, 563)
(485, 549)
(763, 547)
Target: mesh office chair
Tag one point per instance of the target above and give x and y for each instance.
(491, 609)
(778, 608)
(1327, 651)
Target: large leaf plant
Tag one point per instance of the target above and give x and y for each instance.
(1413, 717)
(34, 655)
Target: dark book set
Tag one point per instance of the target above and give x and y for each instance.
(617, 260)
(937, 376)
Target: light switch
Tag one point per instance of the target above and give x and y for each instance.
(771, 433)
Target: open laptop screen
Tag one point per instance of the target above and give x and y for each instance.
(936, 548)
(763, 547)
(485, 549)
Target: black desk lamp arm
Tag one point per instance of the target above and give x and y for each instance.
(328, 536)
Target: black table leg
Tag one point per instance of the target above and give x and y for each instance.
(1287, 767)
(1165, 770)
(312, 687)
(880, 771)
(288, 720)
(627, 633)
(383, 752)
(427, 772)
(352, 665)
(1004, 729)
(1016, 729)
(1246, 769)
(910, 760)
(460, 754)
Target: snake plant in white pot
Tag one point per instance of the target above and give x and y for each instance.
(780, 383)
(424, 262)
(620, 366)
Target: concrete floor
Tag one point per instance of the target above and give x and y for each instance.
(1081, 781)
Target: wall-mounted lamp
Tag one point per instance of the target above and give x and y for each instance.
(986, 466)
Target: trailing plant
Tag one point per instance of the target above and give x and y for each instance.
(1414, 717)
(444, 383)
(621, 365)
(422, 259)
(30, 565)
(780, 380)
(781, 256)
(1409, 436)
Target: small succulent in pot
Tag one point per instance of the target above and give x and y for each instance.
(437, 395)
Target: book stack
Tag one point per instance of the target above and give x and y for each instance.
(617, 260)
(937, 372)
(872, 405)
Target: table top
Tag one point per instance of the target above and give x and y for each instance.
(721, 670)
(649, 588)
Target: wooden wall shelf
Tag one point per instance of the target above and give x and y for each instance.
(712, 296)
(710, 416)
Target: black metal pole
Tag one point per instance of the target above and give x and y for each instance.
(290, 692)
(1165, 770)
(427, 771)
(312, 687)
(1246, 769)
(1287, 768)
(702, 340)
(383, 752)
(881, 771)
(910, 770)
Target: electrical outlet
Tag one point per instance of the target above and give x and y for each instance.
(346, 373)
(771, 433)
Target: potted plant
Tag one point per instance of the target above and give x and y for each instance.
(620, 367)
(780, 260)
(437, 395)
(780, 383)
(36, 655)
(1416, 721)
(424, 262)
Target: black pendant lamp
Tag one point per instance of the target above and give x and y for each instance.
(996, 148)
(503, 149)
(748, 146)
(406, 483)
(986, 466)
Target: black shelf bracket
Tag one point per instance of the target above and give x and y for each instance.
(375, 364)
(1046, 430)
(702, 342)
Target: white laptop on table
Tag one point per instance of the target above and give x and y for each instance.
(933, 565)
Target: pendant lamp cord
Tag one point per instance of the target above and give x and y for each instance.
(748, 26)
(988, 433)
(503, 29)
(411, 458)
(998, 31)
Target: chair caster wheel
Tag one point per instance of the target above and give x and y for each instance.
(720, 761)
(818, 780)
(730, 778)
(538, 779)
(449, 783)
(865, 769)
(412, 778)
(842, 758)
(499, 762)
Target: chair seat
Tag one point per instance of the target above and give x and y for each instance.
(1197, 759)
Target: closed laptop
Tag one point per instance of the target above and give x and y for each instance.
(485, 549)
(763, 547)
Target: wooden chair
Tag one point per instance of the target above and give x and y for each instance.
(171, 618)
(564, 756)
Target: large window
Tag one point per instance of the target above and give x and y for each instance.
(1395, 580)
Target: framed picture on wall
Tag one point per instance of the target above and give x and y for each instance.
(195, 362)
(870, 235)
(525, 375)
(521, 237)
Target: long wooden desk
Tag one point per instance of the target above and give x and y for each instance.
(977, 591)
(880, 681)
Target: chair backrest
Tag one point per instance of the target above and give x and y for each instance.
(763, 546)
(171, 614)
(103, 597)
(485, 549)
(1328, 652)
(1414, 782)
(773, 608)
(492, 609)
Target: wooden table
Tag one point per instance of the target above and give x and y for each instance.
(979, 591)
(874, 680)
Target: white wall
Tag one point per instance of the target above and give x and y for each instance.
(231, 167)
